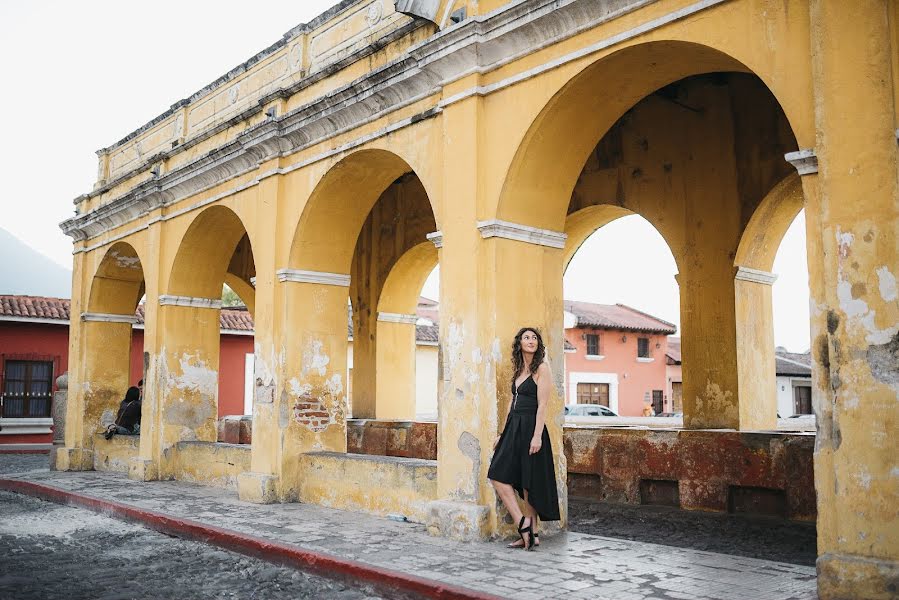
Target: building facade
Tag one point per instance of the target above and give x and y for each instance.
(617, 357)
(346, 160)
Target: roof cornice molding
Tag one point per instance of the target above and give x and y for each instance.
(521, 233)
(190, 302)
(389, 317)
(109, 318)
(805, 161)
(320, 277)
(755, 276)
(479, 44)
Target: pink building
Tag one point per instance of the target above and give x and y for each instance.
(615, 356)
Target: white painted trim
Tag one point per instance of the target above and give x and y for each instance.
(321, 277)
(576, 377)
(522, 233)
(25, 426)
(190, 301)
(572, 351)
(805, 161)
(389, 317)
(36, 320)
(755, 276)
(19, 447)
(253, 281)
(644, 359)
(243, 332)
(594, 356)
(108, 318)
(436, 238)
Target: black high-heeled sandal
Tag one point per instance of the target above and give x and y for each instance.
(522, 530)
(515, 544)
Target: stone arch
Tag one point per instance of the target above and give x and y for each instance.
(570, 124)
(336, 210)
(753, 305)
(118, 283)
(769, 223)
(396, 368)
(206, 254)
(609, 136)
(103, 335)
(583, 223)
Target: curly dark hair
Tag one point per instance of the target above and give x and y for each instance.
(518, 356)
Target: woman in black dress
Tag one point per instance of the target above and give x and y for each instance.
(523, 456)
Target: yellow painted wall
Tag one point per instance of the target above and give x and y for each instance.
(561, 136)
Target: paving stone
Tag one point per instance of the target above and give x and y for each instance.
(568, 564)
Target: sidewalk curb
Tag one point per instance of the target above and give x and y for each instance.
(307, 560)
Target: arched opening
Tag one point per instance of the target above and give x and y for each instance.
(620, 316)
(360, 245)
(694, 144)
(200, 369)
(113, 357)
(391, 260)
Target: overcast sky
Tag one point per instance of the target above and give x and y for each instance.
(81, 75)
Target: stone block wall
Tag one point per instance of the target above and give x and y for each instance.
(726, 471)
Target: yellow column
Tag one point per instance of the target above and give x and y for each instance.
(185, 379)
(395, 366)
(756, 368)
(491, 285)
(856, 311)
(304, 409)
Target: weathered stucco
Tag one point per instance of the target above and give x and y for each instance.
(525, 122)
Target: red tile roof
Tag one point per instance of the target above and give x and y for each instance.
(616, 316)
(57, 309)
(34, 307)
(235, 318)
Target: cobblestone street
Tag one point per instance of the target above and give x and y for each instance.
(53, 551)
(568, 565)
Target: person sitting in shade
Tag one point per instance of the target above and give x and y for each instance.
(127, 421)
(648, 411)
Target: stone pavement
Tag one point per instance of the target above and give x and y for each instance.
(567, 565)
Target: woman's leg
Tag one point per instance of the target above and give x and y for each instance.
(529, 511)
(507, 494)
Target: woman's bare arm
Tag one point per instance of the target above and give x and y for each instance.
(544, 383)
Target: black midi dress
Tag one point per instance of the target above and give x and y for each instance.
(512, 464)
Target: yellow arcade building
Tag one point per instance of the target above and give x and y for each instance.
(346, 160)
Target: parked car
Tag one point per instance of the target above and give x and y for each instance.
(669, 414)
(589, 410)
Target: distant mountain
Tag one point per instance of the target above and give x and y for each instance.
(25, 271)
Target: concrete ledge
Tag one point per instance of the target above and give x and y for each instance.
(461, 521)
(765, 473)
(258, 488)
(380, 485)
(848, 576)
(277, 552)
(74, 459)
(210, 463)
(408, 439)
(115, 454)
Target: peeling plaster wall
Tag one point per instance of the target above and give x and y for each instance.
(346, 481)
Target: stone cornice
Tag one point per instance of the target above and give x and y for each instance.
(108, 318)
(755, 276)
(478, 44)
(389, 317)
(521, 233)
(190, 301)
(436, 238)
(320, 277)
(805, 161)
